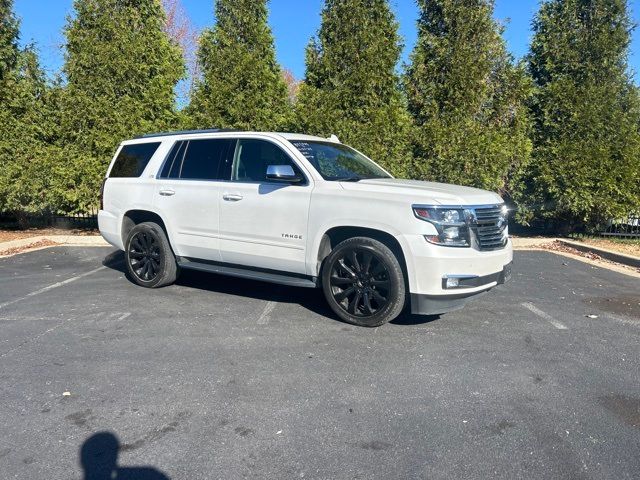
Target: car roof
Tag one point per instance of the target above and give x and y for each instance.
(161, 136)
(302, 136)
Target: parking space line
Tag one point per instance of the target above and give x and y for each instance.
(51, 287)
(264, 316)
(34, 337)
(633, 323)
(532, 308)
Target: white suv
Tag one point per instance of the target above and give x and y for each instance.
(302, 211)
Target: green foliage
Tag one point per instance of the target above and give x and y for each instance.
(8, 41)
(471, 115)
(351, 87)
(242, 85)
(26, 123)
(121, 69)
(467, 99)
(587, 113)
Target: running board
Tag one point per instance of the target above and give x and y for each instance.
(233, 271)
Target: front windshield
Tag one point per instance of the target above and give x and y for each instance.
(335, 161)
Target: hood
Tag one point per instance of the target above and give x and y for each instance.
(417, 191)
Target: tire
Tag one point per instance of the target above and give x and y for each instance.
(149, 258)
(363, 282)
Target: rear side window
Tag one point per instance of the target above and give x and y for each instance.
(198, 159)
(133, 159)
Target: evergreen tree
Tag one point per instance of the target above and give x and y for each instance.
(8, 58)
(241, 85)
(467, 98)
(8, 41)
(121, 69)
(27, 126)
(587, 113)
(351, 87)
(24, 124)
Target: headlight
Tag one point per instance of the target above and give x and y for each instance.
(451, 224)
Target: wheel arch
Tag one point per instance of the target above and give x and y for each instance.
(133, 217)
(334, 235)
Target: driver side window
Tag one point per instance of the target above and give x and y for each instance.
(254, 156)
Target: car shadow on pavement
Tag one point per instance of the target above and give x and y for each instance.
(99, 460)
(406, 318)
(115, 261)
(310, 298)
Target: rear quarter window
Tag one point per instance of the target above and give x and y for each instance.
(133, 159)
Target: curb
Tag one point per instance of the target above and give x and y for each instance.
(628, 260)
(71, 240)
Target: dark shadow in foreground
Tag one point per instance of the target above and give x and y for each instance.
(99, 459)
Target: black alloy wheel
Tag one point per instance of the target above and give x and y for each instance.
(149, 257)
(145, 256)
(360, 282)
(363, 282)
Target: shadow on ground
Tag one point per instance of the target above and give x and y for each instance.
(310, 298)
(99, 460)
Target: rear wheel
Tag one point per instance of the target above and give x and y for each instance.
(150, 260)
(363, 282)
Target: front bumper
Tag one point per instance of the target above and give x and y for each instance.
(422, 304)
(429, 264)
(456, 282)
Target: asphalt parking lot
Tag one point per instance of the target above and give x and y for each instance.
(225, 378)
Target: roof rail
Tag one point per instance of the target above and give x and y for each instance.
(186, 132)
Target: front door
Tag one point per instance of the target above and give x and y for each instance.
(263, 223)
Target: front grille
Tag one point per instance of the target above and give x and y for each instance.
(489, 228)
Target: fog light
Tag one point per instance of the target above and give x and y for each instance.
(452, 282)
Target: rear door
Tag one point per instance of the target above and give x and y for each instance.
(187, 195)
(264, 223)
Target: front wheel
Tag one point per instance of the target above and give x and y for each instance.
(363, 282)
(150, 260)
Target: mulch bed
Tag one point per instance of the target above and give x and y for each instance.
(29, 246)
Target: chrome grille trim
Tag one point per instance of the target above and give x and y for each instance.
(489, 226)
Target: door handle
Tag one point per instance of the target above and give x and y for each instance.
(167, 192)
(232, 197)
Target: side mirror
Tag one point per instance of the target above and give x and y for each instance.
(282, 173)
